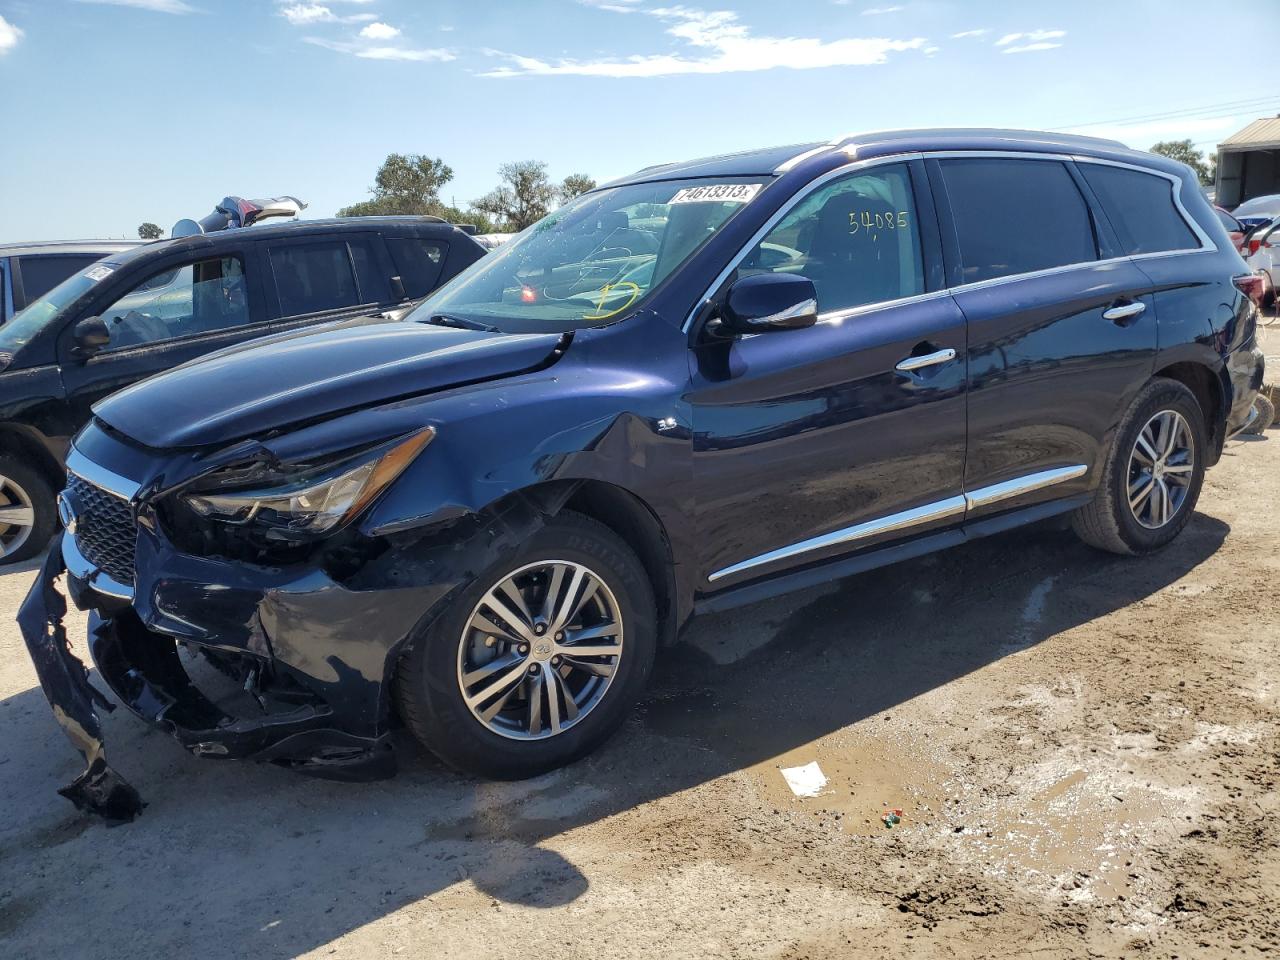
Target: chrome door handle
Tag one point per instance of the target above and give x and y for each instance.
(928, 360)
(1126, 311)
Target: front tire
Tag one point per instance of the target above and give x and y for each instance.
(540, 658)
(1152, 475)
(28, 511)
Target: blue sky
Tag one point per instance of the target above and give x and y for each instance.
(120, 111)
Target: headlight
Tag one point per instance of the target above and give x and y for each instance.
(313, 501)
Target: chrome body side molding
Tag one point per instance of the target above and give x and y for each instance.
(940, 510)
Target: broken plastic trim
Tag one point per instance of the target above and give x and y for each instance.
(65, 681)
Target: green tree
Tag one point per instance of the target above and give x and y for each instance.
(574, 185)
(406, 183)
(1184, 151)
(523, 197)
(150, 231)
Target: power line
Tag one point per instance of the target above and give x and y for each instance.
(1256, 103)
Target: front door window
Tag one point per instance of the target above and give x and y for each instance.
(183, 301)
(856, 238)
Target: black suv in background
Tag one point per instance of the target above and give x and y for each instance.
(30, 270)
(144, 309)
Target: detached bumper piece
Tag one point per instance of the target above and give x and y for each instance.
(65, 682)
(142, 668)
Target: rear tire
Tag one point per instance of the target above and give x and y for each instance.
(28, 495)
(480, 656)
(1139, 507)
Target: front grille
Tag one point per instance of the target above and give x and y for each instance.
(105, 532)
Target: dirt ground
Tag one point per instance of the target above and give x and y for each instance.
(1085, 750)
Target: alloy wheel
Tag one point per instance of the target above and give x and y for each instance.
(1161, 468)
(539, 650)
(17, 516)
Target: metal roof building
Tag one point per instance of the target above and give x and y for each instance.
(1249, 163)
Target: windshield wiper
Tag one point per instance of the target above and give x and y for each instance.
(462, 323)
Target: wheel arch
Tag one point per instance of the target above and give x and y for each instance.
(22, 441)
(1209, 393)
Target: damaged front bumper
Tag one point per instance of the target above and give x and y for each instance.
(317, 656)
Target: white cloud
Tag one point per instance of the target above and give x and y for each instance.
(876, 11)
(1031, 41)
(1032, 36)
(305, 14)
(158, 6)
(725, 45)
(970, 33)
(9, 36)
(300, 14)
(370, 52)
(1031, 47)
(379, 31)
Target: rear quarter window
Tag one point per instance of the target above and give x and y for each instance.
(1017, 216)
(418, 262)
(1141, 208)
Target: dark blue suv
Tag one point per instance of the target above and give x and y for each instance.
(696, 387)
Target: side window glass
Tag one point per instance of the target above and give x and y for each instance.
(1017, 216)
(1140, 206)
(201, 297)
(375, 286)
(313, 277)
(418, 262)
(856, 238)
(42, 274)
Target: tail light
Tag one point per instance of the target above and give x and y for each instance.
(1254, 244)
(1250, 284)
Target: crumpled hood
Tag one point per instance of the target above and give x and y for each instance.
(263, 385)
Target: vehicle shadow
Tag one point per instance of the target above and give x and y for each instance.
(270, 863)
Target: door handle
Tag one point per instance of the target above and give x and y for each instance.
(928, 360)
(1125, 311)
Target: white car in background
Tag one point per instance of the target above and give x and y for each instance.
(1262, 254)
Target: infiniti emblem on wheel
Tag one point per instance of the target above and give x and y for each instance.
(542, 648)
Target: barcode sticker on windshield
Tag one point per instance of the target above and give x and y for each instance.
(100, 272)
(717, 193)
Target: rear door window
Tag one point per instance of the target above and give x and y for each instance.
(418, 262)
(42, 274)
(1141, 208)
(313, 277)
(1017, 216)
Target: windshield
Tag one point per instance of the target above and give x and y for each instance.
(592, 260)
(25, 324)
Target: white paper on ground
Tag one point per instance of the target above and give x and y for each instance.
(806, 781)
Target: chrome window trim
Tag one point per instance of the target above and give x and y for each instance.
(1207, 244)
(101, 477)
(781, 212)
(906, 519)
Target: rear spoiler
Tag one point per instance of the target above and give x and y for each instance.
(234, 212)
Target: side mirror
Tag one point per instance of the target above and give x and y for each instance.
(769, 301)
(91, 335)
